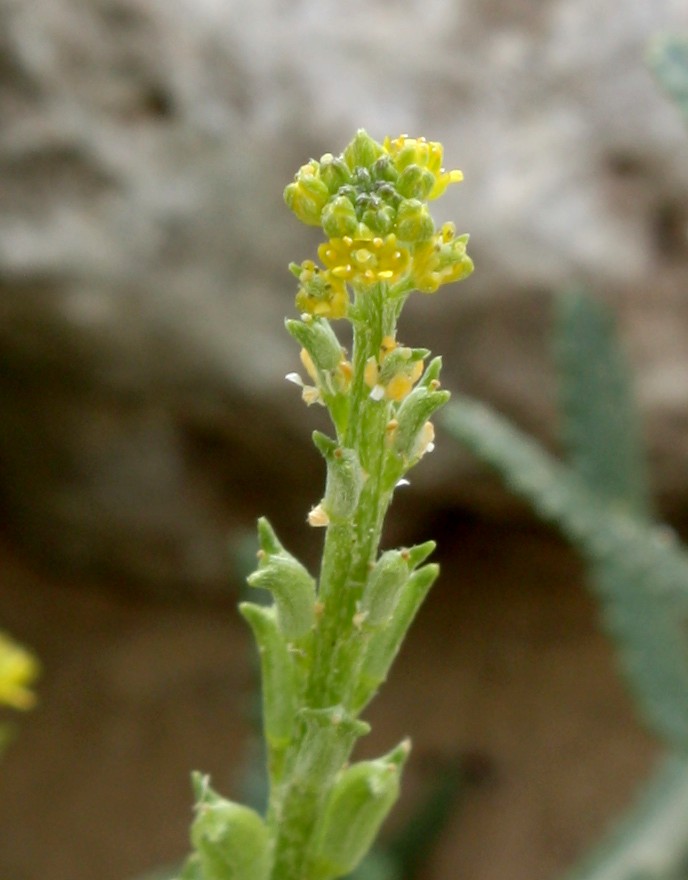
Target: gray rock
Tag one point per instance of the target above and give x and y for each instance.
(143, 244)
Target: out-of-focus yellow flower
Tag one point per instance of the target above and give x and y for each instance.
(428, 155)
(441, 260)
(366, 261)
(18, 670)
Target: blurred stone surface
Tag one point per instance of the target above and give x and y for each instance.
(143, 150)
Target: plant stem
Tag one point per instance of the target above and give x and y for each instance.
(350, 549)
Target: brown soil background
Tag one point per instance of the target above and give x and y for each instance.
(505, 668)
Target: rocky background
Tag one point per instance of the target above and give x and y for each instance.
(144, 420)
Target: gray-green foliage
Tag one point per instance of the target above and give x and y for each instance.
(668, 58)
(637, 567)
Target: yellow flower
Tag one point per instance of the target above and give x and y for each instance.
(393, 373)
(365, 260)
(441, 260)
(321, 293)
(18, 670)
(425, 154)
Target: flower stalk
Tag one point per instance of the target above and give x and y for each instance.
(327, 645)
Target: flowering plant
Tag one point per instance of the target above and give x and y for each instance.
(326, 647)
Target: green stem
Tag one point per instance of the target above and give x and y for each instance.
(350, 549)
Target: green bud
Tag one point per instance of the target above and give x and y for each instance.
(359, 803)
(292, 586)
(383, 586)
(232, 841)
(333, 172)
(344, 478)
(414, 222)
(320, 341)
(362, 151)
(415, 182)
(383, 169)
(380, 220)
(384, 643)
(339, 218)
(362, 180)
(307, 195)
(279, 681)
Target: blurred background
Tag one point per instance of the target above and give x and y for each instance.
(145, 422)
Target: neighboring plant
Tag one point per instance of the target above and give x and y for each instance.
(637, 567)
(668, 58)
(18, 671)
(327, 645)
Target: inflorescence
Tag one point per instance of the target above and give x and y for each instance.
(371, 202)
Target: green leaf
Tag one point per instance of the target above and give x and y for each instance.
(651, 841)
(599, 420)
(640, 572)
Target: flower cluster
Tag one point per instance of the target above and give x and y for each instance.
(371, 202)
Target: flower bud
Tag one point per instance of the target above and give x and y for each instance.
(415, 182)
(362, 151)
(232, 841)
(379, 220)
(344, 478)
(414, 222)
(291, 585)
(359, 802)
(339, 218)
(383, 169)
(307, 195)
(333, 172)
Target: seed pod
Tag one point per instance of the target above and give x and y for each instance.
(231, 840)
(320, 341)
(279, 680)
(329, 736)
(360, 801)
(291, 585)
(344, 478)
(414, 411)
(385, 642)
(381, 592)
(192, 869)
